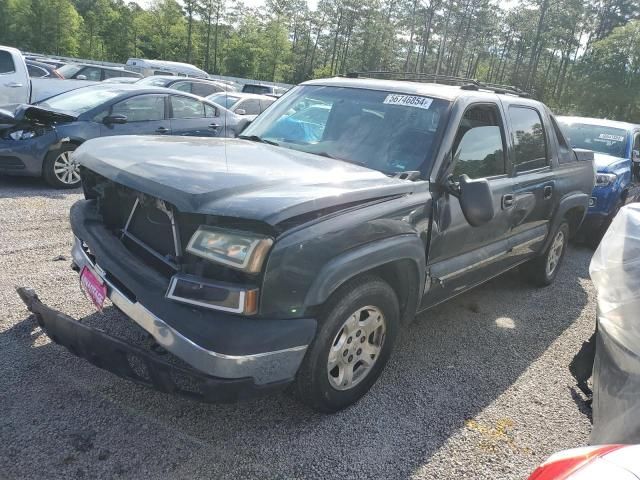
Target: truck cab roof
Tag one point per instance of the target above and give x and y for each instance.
(436, 90)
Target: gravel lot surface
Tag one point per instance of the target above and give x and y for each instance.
(477, 388)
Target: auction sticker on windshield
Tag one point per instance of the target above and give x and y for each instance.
(408, 100)
(615, 138)
(93, 287)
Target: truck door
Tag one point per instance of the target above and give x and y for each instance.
(14, 79)
(533, 157)
(460, 255)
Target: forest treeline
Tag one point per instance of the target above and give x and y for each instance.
(578, 56)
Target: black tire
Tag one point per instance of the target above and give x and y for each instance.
(536, 270)
(313, 385)
(49, 166)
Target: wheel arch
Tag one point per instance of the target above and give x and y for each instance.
(399, 261)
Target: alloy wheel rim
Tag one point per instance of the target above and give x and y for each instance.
(356, 348)
(555, 252)
(65, 169)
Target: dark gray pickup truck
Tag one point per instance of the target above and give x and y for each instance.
(292, 256)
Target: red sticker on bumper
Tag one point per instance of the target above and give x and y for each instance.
(93, 287)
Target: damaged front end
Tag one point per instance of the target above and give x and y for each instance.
(23, 122)
(134, 363)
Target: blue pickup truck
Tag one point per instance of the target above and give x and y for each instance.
(616, 147)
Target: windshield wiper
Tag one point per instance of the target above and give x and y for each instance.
(256, 138)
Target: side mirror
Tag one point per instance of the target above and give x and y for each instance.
(81, 77)
(476, 200)
(635, 156)
(114, 119)
(241, 111)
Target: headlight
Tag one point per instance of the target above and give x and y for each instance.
(22, 134)
(604, 179)
(236, 249)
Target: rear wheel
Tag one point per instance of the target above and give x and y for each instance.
(59, 169)
(542, 270)
(354, 340)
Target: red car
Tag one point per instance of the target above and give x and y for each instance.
(607, 462)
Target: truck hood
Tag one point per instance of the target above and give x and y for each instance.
(235, 178)
(607, 163)
(11, 115)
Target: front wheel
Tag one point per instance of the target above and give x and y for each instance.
(59, 169)
(542, 270)
(353, 343)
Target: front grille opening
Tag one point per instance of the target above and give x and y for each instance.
(152, 227)
(148, 258)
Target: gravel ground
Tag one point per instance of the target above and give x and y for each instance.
(477, 388)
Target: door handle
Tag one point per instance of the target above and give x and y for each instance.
(13, 85)
(162, 130)
(213, 126)
(548, 192)
(508, 200)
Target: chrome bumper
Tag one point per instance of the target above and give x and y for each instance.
(266, 367)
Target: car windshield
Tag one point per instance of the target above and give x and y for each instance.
(386, 131)
(80, 100)
(68, 71)
(607, 140)
(154, 81)
(223, 99)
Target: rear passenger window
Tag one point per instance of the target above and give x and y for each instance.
(185, 107)
(479, 144)
(6, 63)
(530, 146)
(142, 108)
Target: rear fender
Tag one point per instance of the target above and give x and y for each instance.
(572, 201)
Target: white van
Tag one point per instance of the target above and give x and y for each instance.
(162, 67)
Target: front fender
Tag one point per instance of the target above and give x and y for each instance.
(364, 258)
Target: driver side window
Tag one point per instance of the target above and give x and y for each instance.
(478, 149)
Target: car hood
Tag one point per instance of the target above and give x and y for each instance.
(235, 178)
(17, 114)
(607, 163)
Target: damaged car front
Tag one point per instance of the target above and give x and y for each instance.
(27, 134)
(213, 246)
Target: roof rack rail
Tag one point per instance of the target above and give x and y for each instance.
(463, 83)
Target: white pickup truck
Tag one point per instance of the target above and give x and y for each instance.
(17, 87)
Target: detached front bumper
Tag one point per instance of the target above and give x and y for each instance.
(134, 363)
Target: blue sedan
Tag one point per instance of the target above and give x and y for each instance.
(37, 140)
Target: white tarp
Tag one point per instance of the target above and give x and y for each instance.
(615, 271)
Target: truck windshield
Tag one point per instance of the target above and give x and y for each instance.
(382, 130)
(607, 140)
